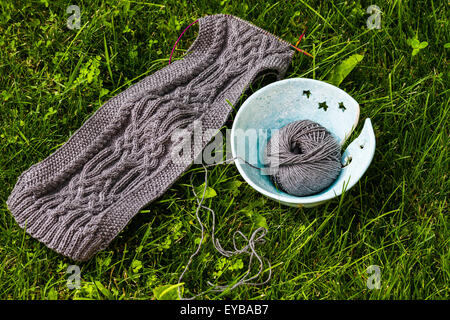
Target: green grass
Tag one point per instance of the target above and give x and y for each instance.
(52, 79)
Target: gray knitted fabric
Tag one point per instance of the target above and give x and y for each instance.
(80, 197)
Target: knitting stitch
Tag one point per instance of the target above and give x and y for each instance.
(80, 197)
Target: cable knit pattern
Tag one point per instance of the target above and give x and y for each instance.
(80, 197)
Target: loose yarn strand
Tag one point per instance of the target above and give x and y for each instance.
(308, 159)
(256, 237)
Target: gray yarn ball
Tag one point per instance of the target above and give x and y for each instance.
(308, 158)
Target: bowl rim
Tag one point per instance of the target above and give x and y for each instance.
(285, 199)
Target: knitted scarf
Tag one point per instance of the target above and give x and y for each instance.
(80, 197)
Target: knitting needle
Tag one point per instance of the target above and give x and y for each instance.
(300, 50)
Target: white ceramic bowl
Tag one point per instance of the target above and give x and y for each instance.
(285, 101)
